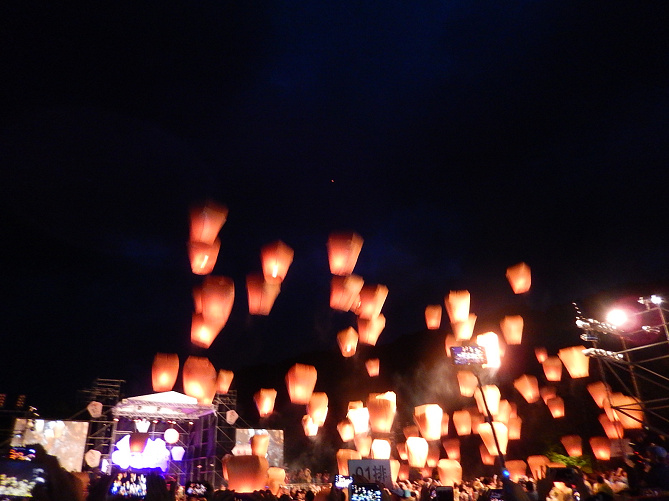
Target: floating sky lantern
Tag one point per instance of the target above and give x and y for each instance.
(528, 386)
(95, 409)
(215, 299)
(359, 416)
(203, 256)
(343, 457)
(223, 381)
(164, 371)
(538, 464)
(259, 444)
(625, 409)
(576, 362)
(552, 368)
(411, 431)
(92, 458)
(276, 477)
(503, 411)
(502, 433)
(417, 448)
(202, 334)
(444, 424)
(450, 471)
(490, 342)
(261, 294)
(467, 382)
(345, 292)
(404, 472)
(449, 342)
(599, 391)
(199, 379)
(206, 221)
(171, 436)
(601, 447)
(372, 298)
(464, 330)
(372, 366)
(138, 441)
(363, 444)
(477, 419)
(382, 408)
(573, 445)
(452, 448)
(486, 458)
(394, 469)
(462, 421)
(541, 354)
(548, 392)
(519, 277)
(428, 418)
(246, 474)
(309, 426)
(492, 397)
(264, 399)
(369, 329)
(276, 258)
(343, 251)
(348, 341)
(402, 451)
(517, 469)
(346, 430)
(432, 456)
(380, 448)
(457, 305)
(613, 429)
(300, 381)
(433, 316)
(556, 406)
(512, 329)
(317, 408)
(515, 424)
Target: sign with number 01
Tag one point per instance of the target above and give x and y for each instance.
(376, 471)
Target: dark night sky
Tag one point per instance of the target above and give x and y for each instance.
(456, 137)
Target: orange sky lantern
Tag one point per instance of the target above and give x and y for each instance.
(345, 292)
(464, 330)
(486, 457)
(452, 448)
(467, 382)
(573, 445)
(601, 447)
(261, 294)
(382, 408)
(450, 472)
(492, 398)
(502, 432)
(138, 441)
(519, 277)
(517, 468)
(246, 474)
(276, 477)
(477, 419)
(541, 354)
(369, 329)
(411, 430)
(556, 406)
(624, 409)
(538, 464)
(343, 456)
(202, 334)
(503, 411)
(372, 298)
(493, 353)
(264, 399)
(576, 362)
(343, 251)
(428, 418)
(449, 342)
(599, 391)
(462, 421)
(206, 221)
(372, 366)
(346, 430)
(348, 341)
(164, 371)
(552, 368)
(515, 424)
(317, 408)
(300, 381)
(394, 469)
(457, 306)
(363, 444)
(199, 379)
(417, 448)
(216, 297)
(433, 316)
(380, 448)
(512, 329)
(309, 426)
(203, 256)
(276, 258)
(432, 456)
(223, 381)
(528, 386)
(404, 472)
(402, 451)
(359, 416)
(613, 429)
(259, 444)
(548, 392)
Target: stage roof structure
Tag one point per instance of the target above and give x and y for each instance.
(168, 405)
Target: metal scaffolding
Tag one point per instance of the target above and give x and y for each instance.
(108, 393)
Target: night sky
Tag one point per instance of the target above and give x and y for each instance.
(457, 138)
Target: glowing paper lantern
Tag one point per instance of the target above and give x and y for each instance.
(462, 421)
(625, 409)
(300, 381)
(492, 398)
(468, 382)
(519, 277)
(317, 408)
(223, 381)
(177, 453)
(450, 471)
(345, 292)
(411, 431)
(502, 433)
(517, 468)
(428, 418)
(259, 444)
(613, 429)
(346, 430)
(463, 330)
(444, 424)
(203, 256)
(206, 221)
(486, 457)
(380, 449)
(276, 258)
(343, 251)
(601, 447)
(432, 456)
(512, 329)
(343, 457)
(94, 409)
(477, 419)
(199, 379)
(359, 416)
(372, 298)
(556, 406)
(450, 341)
(202, 334)
(246, 474)
(171, 436)
(515, 423)
(503, 412)
(372, 366)
(538, 465)
(541, 354)
(276, 477)
(433, 316)
(553, 368)
(394, 469)
(490, 341)
(92, 458)
(138, 441)
(164, 371)
(264, 399)
(548, 392)
(572, 444)
(402, 451)
(576, 362)
(369, 329)
(261, 294)
(403, 474)
(348, 341)
(528, 386)
(215, 299)
(599, 391)
(457, 306)
(417, 448)
(382, 408)
(452, 448)
(310, 428)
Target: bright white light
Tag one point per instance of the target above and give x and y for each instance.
(656, 299)
(617, 317)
